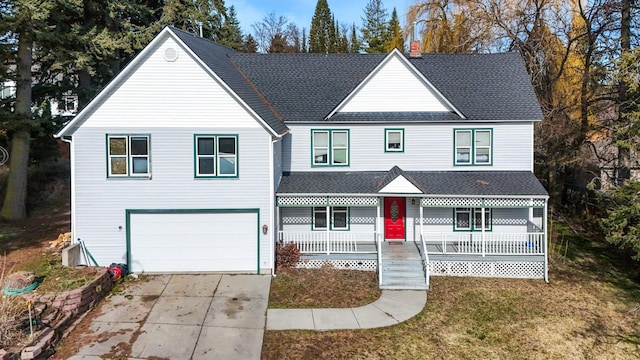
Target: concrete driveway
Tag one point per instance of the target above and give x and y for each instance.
(182, 317)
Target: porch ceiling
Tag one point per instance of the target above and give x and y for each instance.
(437, 183)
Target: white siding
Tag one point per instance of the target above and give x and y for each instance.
(428, 147)
(277, 164)
(158, 93)
(395, 87)
(170, 102)
(504, 220)
(101, 202)
(361, 220)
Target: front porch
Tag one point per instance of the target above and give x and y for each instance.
(409, 264)
(501, 233)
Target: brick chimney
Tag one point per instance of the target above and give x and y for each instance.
(415, 49)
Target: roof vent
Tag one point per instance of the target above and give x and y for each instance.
(170, 54)
(415, 49)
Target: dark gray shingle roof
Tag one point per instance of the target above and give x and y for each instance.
(307, 87)
(483, 86)
(480, 183)
(217, 58)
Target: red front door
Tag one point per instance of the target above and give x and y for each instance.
(394, 218)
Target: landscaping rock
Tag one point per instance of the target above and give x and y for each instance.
(19, 280)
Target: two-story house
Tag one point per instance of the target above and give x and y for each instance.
(196, 158)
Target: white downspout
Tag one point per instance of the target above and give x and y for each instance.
(272, 206)
(72, 165)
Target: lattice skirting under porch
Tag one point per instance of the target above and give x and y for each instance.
(501, 269)
(365, 265)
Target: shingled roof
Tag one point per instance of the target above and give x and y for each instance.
(466, 183)
(307, 87)
(217, 58)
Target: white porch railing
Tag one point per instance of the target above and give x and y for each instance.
(328, 242)
(489, 243)
(425, 260)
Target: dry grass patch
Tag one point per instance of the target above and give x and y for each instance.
(325, 287)
(576, 316)
(55, 277)
(13, 310)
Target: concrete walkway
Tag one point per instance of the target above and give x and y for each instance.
(217, 317)
(393, 307)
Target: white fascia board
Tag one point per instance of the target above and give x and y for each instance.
(395, 53)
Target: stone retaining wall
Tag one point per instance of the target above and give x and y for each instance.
(59, 311)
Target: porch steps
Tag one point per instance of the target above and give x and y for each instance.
(403, 275)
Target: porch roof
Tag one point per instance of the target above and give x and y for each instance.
(437, 183)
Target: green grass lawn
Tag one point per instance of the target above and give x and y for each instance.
(589, 310)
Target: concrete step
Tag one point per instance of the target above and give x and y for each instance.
(402, 267)
(400, 286)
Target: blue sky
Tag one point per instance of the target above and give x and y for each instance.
(301, 11)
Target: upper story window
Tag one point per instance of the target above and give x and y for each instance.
(128, 155)
(330, 147)
(394, 140)
(7, 90)
(216, 155)
(70, 103)
(468, 219)
(473, 146)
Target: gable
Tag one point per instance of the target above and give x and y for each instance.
(163, 91)
(400, 185)
(394, 87)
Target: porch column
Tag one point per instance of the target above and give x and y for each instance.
(544, 233)
(421, 216)
(482, 229)
(378, 226)
(328, 217)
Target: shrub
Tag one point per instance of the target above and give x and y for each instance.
(287, 256)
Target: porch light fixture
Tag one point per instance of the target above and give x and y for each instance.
(413, 201)
(265, 228)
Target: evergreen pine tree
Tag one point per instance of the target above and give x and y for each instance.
(374, 27)
(195, 16)
(332, 41)
(395, 37)
(321, 28)
(303, 46)
(250, 45)
(354, 43)
(230, 33)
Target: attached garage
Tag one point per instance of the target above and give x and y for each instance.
(169, 241)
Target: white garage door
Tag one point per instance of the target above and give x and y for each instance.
(193, 242)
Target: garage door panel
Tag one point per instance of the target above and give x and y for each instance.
(194, 242)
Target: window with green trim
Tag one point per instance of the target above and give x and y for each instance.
(393, 140)
(330, 147)
(468, 219)
(473, 146)
(128, 156)
(216, 155)
(339, 218)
